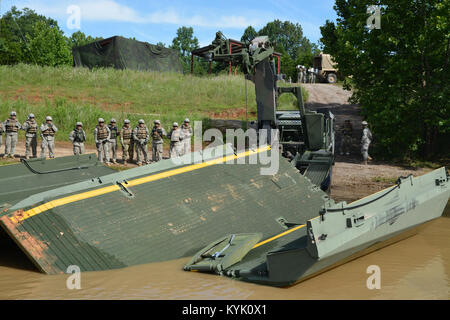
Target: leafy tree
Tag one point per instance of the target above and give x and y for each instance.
(184, 43)
(249, 34)
(15, 27)
(80, 39)
(399, 72)
(48, 46)
(286, 35)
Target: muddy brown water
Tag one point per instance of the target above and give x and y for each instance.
(415, 268)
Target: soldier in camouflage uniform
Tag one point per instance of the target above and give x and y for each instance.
(347, 132)
(186, 130)
(30, 127)
(158, 133)
(101, 138)
(78, 137)
(113, 139)
(366, 139)
(11, 127)
(176, 144)
(126, 140)
(141, 136)
(1, 133)
(48, 131)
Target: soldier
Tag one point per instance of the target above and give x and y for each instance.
(101, 138)
(113, 139)
(1, 133)
(311, 75)
(186, 130)
(176, 137)
(158, 133)
(140, 136)
(48, 131)
(78, 137)
(347, 132)
(11, 127)
(299, 74)
(365, 142)
(30, 127)
(126, 140)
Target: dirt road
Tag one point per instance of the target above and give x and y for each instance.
(351, 179)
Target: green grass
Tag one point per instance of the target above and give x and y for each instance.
(79, 94)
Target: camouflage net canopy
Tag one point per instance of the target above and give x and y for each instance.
(121, 53)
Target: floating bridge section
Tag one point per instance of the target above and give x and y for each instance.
(158, 212)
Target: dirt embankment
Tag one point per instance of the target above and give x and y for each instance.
(351, 180)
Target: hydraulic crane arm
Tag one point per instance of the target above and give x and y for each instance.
(256, 60)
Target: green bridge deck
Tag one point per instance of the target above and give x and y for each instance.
(158, 212)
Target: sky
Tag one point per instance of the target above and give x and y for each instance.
(157, 21)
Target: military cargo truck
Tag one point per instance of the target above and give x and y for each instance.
(325, 64)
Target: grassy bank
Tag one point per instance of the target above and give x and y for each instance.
(78, 94)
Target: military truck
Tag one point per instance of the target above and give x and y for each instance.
(325, 64)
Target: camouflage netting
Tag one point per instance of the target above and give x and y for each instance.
(122, 53)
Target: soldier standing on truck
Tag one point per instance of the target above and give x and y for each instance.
(140, 136)
(11, 127)
(186, 130)
(126, 140)
(48, 131)
(113, 139)
(78, 137)
(347, 132)
(158, 133)
(365, 142)
(31, 128)
(176, 137)
(101, 138)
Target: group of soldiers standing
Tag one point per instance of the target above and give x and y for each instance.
(105, 137)
(133, 139)
(306, 75)
(347, 137)
(11, 128)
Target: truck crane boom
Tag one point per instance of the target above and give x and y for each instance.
(306, 137)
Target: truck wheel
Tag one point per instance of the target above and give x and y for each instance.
(331, 78)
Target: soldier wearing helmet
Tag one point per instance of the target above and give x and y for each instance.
(126, 140)
(158, 133)
(347, 133)
(186, 130)
(78, 137)
(113, 139)
(31, 128)
(176, 137)
(101, 138)
(11, 128)
(141, 136)
(48, 131)
(366, 139)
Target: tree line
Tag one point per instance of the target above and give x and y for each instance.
(399, 73)
(27, 37)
